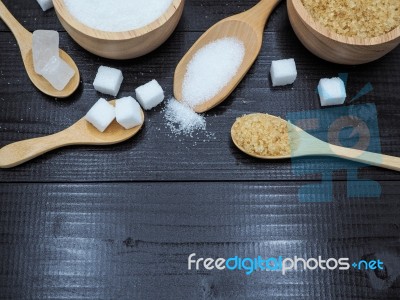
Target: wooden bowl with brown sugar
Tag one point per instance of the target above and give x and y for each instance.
(337, 48)
(124, 44)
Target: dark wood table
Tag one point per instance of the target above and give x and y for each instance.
(119, 222)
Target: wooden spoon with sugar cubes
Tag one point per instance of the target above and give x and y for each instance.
(24, 39)
(246, 27)
(268, 137)
(80, 133)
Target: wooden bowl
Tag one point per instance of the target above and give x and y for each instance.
(121, 45)
(337, 48)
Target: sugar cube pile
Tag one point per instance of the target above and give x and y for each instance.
(45, 4)
(101, 114)
(108, 80)
(45, 46)
(211, 69)
(283, 72)
(117, 15)
(46, 59)
(128, 112)
(58, 73)
(332, 91)
(150, 94)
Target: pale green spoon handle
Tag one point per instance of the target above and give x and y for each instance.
(370, 158)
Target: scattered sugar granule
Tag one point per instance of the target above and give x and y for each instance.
(150, 94)
(117, 15)
(283, 72)
(45, 4)
(262, 134)
(108, 81)
(356, 18)
(181, 119)
(211, 69)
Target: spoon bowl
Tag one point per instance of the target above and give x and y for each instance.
(247, 27)
(24, 40)
(304, 144)
(80, 133)
(43, 85)
(225, 28)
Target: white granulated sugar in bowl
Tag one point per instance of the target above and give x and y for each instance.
(117, 15)
(211, 69)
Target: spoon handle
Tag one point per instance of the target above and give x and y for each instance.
(22, 35)
(258, 14)
(374, 159)
(17, 153)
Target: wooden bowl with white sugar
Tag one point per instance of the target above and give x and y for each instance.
(338, 48)
(124, 44)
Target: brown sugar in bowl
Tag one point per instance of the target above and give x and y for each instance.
(336, 48)
(125, 44)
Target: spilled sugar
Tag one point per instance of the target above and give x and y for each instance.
(181, 119)
(211, 69)
(117, 15)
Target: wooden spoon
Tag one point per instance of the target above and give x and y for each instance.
(24, 39)
(247, 27)
(81, 133)
(304, 144)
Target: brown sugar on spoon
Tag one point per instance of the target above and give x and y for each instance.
(356, 18)
(262, 135)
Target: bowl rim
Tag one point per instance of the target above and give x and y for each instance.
(315, 25)
(64, 13)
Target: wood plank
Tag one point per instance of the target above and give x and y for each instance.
(26, 113)
(131, 241)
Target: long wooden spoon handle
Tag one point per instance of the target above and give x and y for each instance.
(22, 35)
(17, 153)
(258, 15)
(374, 159)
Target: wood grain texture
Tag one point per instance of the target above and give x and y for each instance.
(214, 159)
(118, 222)
(131, 241)
(79, 133)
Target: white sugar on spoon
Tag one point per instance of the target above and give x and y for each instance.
(211, 69)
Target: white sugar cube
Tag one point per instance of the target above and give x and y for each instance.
(101, 114)
(58, 73)
(283, 72)
(45, 4)
(150, 95)
(108, 81)
(45, 44)
(331, 91)
(128, 112)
